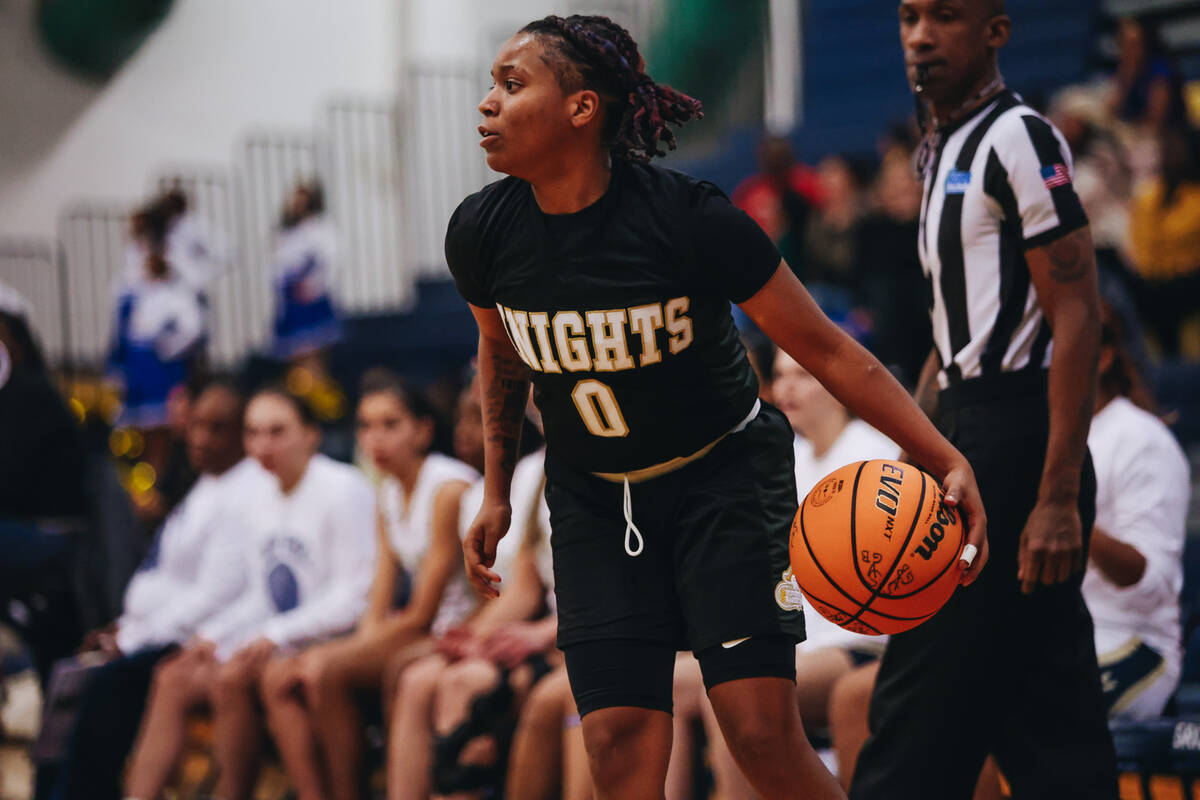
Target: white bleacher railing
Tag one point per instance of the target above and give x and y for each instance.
(33, 268)
(93, 238)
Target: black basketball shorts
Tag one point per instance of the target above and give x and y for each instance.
(712, 568)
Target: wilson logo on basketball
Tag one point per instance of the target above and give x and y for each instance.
(825, 492)
(937, 532)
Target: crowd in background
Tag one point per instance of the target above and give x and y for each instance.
(316, 613)
(848, 226)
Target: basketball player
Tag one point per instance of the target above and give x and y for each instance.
(670, 484)
(1008, 257)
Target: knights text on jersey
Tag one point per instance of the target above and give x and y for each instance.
(1000, 184)
(621, 310)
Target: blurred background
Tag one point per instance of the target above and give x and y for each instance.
(291, 165)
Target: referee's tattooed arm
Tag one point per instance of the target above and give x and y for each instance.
(504, 386)
(1064, 274)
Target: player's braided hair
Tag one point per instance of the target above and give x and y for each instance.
(593, 52)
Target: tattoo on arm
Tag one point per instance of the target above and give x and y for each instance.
(1069, 260)
(505, 399)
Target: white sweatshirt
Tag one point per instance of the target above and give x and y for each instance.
(1142, 494)
(857, 442)
(309, 557)
(192, 570)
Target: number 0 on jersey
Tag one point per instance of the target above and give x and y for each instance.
(598, 406)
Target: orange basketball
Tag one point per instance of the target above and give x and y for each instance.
(875, 549)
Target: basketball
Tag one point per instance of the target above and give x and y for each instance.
(874, 548)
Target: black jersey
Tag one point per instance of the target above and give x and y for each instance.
(621, 310)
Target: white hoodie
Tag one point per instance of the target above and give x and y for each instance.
(192, 570)
(309, 556)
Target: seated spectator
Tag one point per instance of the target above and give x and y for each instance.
(479, 696)
(302, 269)
(468, 427)
(780, 198)
(42, 454)
(312, 698)
(1135, 562)
(692, 711)
(45, 497)
(827, 438)
(307, 555)
(498, 638)
(828, 257)
(1103, 176)
(188, 576)
(158, 327)
(1164, 232)
(1147, 86)
(891, 282)
(548, 759)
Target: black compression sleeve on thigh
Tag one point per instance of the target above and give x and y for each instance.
(757, 657)
(621, 672)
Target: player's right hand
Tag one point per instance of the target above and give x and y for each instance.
(479, 547)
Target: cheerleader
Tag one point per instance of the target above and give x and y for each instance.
(157, 330)
(302, 271)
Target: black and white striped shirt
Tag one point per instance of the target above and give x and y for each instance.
(999, 185)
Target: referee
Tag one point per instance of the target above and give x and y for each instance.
(1009, 666)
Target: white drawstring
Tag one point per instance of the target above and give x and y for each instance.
(630, 528)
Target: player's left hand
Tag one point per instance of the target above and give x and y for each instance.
(1051, 547)
(962, 493)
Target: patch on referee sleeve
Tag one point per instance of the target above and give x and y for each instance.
(1056, 175)
(957, 181)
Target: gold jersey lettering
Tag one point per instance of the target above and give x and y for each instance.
(571, 341)
(608, 341)
(679, 326)
(517, 323)
(540, 321)
(645, 321)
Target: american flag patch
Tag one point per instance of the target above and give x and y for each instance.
(1056, 175)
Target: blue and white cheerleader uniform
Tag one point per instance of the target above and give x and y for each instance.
(159, 327)
(305, 319)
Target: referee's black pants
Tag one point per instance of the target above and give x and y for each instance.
(995, 671)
